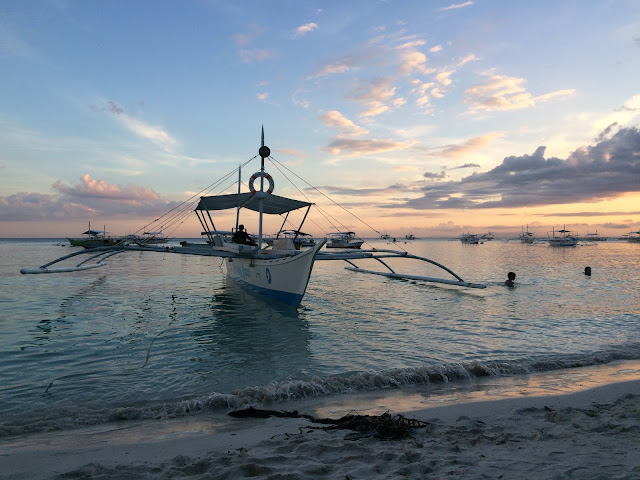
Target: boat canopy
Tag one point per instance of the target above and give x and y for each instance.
(273, 204)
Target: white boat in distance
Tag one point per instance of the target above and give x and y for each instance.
(562, 240)
(344, 240)
(469, 238)
(149, 238)
(300, 239)
(634, 237)
(526, 237)
(279, 271)
(594, 237)
(409, 236)
(487, 237)
(95, 238)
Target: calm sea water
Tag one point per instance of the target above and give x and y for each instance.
(159, 335)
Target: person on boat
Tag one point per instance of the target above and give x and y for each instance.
(241, 236)
(509, 282)
(587, 271)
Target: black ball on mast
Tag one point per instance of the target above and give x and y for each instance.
(264, 151)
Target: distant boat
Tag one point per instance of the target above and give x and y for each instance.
(300, 239)
(563, 240)
(594, 237)
(526, 237)
(148, 238)
(344, 240)
(95, 238)
(409, 236)
(487, 237)
(634, 237)
(385, 236)
(469, 239)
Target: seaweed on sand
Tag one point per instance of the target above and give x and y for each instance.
(384, 427)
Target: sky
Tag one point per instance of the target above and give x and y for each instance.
(416, 116)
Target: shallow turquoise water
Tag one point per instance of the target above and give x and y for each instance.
(152, 335)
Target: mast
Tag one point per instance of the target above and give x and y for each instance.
(264, 152)
(239, 185)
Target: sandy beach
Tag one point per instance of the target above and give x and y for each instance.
(592, 433)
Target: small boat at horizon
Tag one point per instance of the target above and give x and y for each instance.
(634, 237)
(526, 237)
(594, 237)
(344, 240)
(95, 238)
(470, 239)
(562, 240)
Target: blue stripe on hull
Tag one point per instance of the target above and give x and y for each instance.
(289, 298)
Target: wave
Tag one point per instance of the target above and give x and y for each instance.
(282, 392)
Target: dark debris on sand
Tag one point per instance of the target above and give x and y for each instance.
(383, 427)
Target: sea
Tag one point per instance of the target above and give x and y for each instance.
(156, 336)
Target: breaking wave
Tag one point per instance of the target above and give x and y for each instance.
(282, 392)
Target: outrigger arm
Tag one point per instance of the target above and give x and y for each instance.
(379, 254)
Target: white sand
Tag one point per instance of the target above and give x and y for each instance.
(590, 434)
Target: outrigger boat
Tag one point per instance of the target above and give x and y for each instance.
(344, 240)
(469, 239)
(562, 240)
(526, 237)
(279, 270)
(94, 238)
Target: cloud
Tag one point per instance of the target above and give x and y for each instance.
(341, 66)
(304, 29)
(435, 176)
(364, 192)
(500, 92)
(587, 214)
(262, 96)
(352, 147)
(377, 95)
(88, 199)
(466, 165)
(24, 206)
(297, 98)
(456, 6)
(243, 40)
(413, 61)
(608, 169)
(252, 55)
(472, 144)
(155, 134)
(346, 127)
(91, 188)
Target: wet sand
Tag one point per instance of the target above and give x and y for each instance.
(579, 423)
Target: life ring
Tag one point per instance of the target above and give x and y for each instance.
(265, 175)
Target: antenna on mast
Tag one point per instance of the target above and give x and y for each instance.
(264, 152)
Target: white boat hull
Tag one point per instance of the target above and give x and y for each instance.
(563, 242)
(282, 278)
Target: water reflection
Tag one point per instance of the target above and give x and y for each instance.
(246, 332)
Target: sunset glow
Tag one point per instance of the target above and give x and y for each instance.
(426, 117)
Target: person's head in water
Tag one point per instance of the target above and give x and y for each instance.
(510, 278)
(587, 271)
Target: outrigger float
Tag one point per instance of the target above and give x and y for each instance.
(278, 269)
